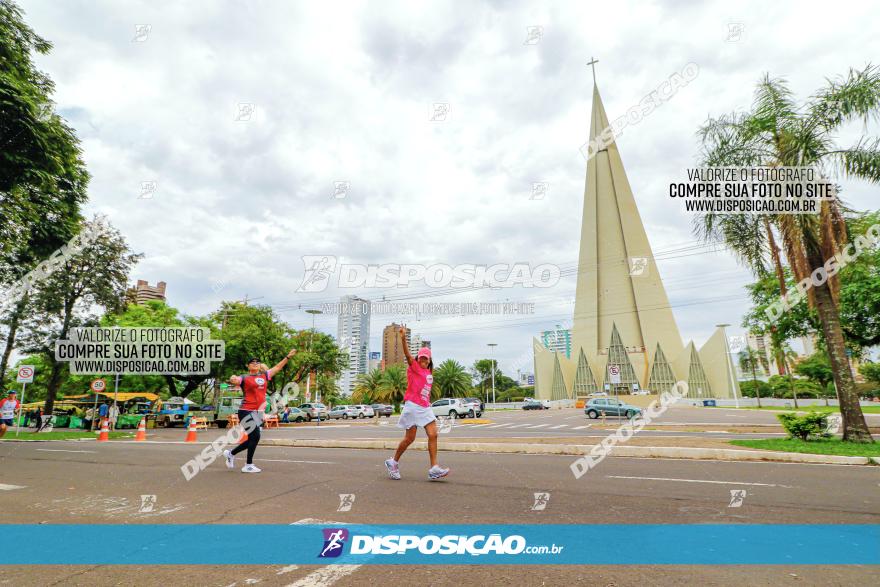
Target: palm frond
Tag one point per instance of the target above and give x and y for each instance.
(860, 161)
(855, 97)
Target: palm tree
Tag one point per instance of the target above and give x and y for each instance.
(749, 359)
(393, 386)
(777, 132)
(789, 356)
(368, 386)
(451, 379)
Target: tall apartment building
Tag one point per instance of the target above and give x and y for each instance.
(416, 342)
(353, 335)
(143, 292)
(557, 340)
(392, 350)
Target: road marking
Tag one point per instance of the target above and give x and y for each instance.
(287, 461)
(520, 425)
(560, 426)
(325, 576)
(500, 425)
(581, 427)
(699, 481)
(5, 487)
(540, 425)
(63, 450)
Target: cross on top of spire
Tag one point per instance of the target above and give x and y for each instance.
(592, 63)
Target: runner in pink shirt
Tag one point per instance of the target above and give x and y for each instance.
(417, 410)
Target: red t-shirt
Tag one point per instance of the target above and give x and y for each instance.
(254, 387)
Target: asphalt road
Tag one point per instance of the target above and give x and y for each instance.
(85, 482)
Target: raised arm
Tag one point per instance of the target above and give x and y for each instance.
(281, 364)
(409, 358)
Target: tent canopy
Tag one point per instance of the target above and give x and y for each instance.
(122, 396)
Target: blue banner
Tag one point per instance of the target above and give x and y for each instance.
(596, 544)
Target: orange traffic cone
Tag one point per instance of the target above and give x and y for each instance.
(191, 433)
(142, 430)
(104, 436)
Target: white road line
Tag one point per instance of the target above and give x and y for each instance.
(699, 481)
(325, 576)
(560, 426)
(5, 487)
(520, 425)
(499, 425)
(62, 450)
(581, 427)
(540, 425)
(287, 461)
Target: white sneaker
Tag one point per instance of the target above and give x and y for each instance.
(393, 468)
(437, 472)
(250, 469)
(230, 459)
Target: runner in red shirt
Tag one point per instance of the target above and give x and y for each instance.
(253, 405)
(7, 411)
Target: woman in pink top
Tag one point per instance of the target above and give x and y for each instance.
(417, 410)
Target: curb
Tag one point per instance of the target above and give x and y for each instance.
(662, 452)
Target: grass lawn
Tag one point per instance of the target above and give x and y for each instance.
(829, 409)
(824, 446)
(62, 435)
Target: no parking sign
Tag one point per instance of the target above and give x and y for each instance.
(25, 374)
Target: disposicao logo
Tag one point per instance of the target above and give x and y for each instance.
(334, 541)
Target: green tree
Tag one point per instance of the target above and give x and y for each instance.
(779, 132)
(750, 360)
(94, 277)
(871, 371)
(368, 387)
(393, 385)
(451, 379)
(42, 176)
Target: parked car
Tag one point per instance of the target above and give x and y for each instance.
(533, 404)
(476, 399)
(315, 410)
(474, 410)
(611, 407)
(642, 392)
(344, 412)
(383, 410)
(452, 407)
(364, 411)
(296, 415)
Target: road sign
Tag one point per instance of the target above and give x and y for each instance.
(98, 385)
(614, 374)
(25, 374)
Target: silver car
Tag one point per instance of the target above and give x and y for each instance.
(315, 410)
(343, 412)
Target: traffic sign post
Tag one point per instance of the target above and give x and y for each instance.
(614, 377)
(96, 385)
(25, 376)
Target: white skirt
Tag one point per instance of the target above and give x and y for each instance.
(415, 415)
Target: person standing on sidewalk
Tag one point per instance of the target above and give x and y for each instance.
(253, 405)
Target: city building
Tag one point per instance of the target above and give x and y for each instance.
(623, 333)
(143, 292)
(416, 342)
(353, 334)
(392, 350)
(375, 361)
(557, 340)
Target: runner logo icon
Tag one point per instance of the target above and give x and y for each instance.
(334, 541)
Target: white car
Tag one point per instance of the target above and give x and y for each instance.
(364, 411)
(642, 392)
(452, 407)
(473, 408)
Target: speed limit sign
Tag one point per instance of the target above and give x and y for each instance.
(98, 385)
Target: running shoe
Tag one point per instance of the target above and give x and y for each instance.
(250, 469)
(437, 472)
(230, 459)
(393, 468)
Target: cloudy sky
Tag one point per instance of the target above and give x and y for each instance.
(246, 114)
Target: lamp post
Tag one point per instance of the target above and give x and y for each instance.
(729, 363)
(492, 346)
(309, 373)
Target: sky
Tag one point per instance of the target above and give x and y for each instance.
(219, 135)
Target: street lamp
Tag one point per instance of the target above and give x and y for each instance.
(309, 374)
(492, 346)
(729, 363)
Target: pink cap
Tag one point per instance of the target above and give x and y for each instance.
(424, 352)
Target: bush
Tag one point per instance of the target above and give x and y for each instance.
(747, 388)
(868, 389)
(803, 427)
